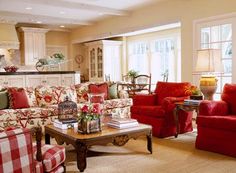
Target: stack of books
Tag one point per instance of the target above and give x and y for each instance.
(192, 102)
(122, 123)
(65, 124)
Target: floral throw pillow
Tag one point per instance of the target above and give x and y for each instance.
(82, 92)
(30, 93)
(45, 96)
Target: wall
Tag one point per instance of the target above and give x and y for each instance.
(60, 38)
(169, 11)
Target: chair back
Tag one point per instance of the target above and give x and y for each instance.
(143, 82)
(126, 79)
(171, 89)
(16, 151)
(229, 96)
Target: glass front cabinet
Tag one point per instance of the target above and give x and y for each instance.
(104, 60)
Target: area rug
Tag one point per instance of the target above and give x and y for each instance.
(170, 155)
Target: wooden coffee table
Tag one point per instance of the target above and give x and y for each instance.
(82, 142)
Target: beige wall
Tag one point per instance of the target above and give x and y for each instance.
(57, 38)
(165, 12)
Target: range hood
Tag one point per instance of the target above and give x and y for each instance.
(8, 36)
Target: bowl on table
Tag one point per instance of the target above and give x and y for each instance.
(11, 69)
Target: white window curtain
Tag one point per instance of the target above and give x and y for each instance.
(163, 59)
(138, 57)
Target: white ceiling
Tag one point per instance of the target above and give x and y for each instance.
(69, 13)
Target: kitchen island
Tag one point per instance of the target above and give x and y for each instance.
(34, 78)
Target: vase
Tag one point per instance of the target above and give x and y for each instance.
(86, 126)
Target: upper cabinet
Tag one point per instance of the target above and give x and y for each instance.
(32, 44)
(104, 60)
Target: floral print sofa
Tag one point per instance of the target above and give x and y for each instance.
(43, 102)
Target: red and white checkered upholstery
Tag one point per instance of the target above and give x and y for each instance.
(53, 156)
(16, 152)
(39, 168)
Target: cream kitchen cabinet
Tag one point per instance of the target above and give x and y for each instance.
(49, 79)
(33, 44)
(12, 81)
(33, 79)
(104, 59)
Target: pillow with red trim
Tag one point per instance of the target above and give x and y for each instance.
(17, 98)
(99, 89)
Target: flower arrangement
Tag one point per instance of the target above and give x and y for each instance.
(192, 90)
(90, 112)
(89, 119)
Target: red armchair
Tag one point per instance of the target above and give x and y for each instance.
(157, 109)
(216, 123)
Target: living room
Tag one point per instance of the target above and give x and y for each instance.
(69, 30)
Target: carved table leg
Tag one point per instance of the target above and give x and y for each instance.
(47, 138)
(176, 110)
(81, 149)
(149, 141)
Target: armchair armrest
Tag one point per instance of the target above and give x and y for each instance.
(212, 108)
(144, 100)
(168, 103)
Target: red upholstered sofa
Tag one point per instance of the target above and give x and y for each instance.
(216, 123)
(157, 109)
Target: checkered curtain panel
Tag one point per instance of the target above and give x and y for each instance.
(16, 153)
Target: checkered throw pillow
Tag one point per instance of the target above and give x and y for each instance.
(16, 152)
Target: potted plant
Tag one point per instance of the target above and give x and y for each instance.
(132, 74)
(89, 119)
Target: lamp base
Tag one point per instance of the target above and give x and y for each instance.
(208, 91)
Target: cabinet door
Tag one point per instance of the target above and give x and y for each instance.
(67, 79)
(99, 63)
(53, 80)
(34, 80)
(29, 49)
(15, 80)
(3, 81)
(92, 63)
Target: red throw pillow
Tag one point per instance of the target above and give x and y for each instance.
(99, 89)
(18, 98)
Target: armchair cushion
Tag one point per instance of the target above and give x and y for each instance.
(212, 108)
(144, 100)
(53, 156)
(171, 89)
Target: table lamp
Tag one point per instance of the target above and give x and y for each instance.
(208, 63)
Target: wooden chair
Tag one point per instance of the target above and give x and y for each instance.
(142, 85)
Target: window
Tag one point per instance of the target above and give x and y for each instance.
(156, 55)
(138, 54)
(217, 33)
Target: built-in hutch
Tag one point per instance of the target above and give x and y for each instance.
(104, 60)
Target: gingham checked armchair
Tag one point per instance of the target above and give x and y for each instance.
(18, 154)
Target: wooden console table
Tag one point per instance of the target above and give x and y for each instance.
(184, 107)
(82, 142)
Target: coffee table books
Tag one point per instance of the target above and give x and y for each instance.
(65, 125)
(122, 123)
